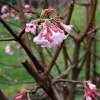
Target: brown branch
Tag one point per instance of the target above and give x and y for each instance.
(82, 4)
(50, 65)
(21, 32)
(7, 39)
(31, 56)
(93, 11)
(5, 77)
(21, 13)
(66, 72)
(41, 53)
(75, 60)
(2, 96)
(54, 58)
(88, 60)
(43, 81)
(85, 56)
(10, 65)
(93, 53)
(15, 82)
(46, 4)
(95, 37)
(94, 50)
(92, 31)
(75, 70)
(65, 56)
(68, 81)
(22, 20)
(98, 57)
(11, 6)
(57, 67)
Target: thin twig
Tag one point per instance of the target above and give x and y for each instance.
(7, 40)
(93, 11)
(82, 4)
(68, 81)
(31, 56)
(56, 54)
(57, 67)
(10, 65)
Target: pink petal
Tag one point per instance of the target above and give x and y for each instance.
(88, 98)
(30, 27)
(67, 28)
(50, 35)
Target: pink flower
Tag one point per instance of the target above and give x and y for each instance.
(8, 50)
(20, 96)
(88, 98)
(90, 91)
(5, 16)
(67, 28)
(13, 13)
(31, 27)
(4, 9)
(27, 8)
(69, 2)
(50, 35)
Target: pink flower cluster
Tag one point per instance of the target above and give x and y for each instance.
(13, 13)
(20, 96)
(50, 34)
(90, 91)
(4, 9)
(6, 13)
(5, 16)
(31, 27)
(27, 11)
(8, 50)
(67, 28)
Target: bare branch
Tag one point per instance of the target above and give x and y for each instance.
(50, 65)
(7, 39)
(2, 96)
(68, 81)
(31, 56)
(93, 11)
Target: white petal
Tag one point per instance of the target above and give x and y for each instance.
(88, 98)
(8, 50)
(92, 86)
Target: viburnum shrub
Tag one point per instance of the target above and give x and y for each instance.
(57, 72)
(49, 32)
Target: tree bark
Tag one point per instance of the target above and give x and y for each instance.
(75, 73)
(43, 80)
(2, 96)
